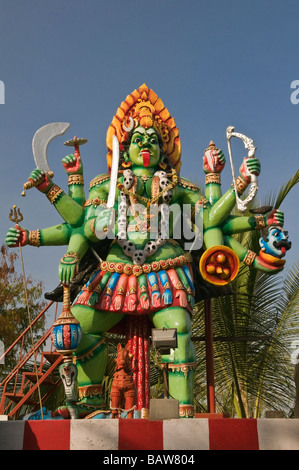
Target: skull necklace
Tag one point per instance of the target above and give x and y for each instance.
(126, 195)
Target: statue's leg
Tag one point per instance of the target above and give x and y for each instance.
(182, 361)
(130, 397)
(116, 397)
(91, 355)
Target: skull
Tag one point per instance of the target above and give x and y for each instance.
(164, 182)
(150, 248)
(122, 207)
(161, 174)
(128, 248)
(167, 196)
(160, 240)
(121, 237)
(139, 257)
(122, 221)
(128, 178)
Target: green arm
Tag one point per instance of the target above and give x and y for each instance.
(213, 192)
(76, 192)
(69, 264)
(51, 236)
(71, 212)
(56, 235)
(238, 224)
(221, 209)
(241, 252)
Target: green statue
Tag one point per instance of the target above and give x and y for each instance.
(144, 276)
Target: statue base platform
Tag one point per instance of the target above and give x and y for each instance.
(164, 408)
(172, 436)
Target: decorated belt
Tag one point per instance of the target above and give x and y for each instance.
(126, 268)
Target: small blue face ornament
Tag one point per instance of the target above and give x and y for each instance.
(275, 241)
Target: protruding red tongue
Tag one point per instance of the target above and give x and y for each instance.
(146, 157)
(283, 250)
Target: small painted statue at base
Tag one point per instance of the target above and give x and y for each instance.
(123, 390)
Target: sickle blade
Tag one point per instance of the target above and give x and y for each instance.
(42, 139)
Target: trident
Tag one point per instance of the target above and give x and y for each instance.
(16, 216)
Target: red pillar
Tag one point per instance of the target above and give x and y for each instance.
(209, 356)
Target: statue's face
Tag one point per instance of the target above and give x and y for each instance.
(144, 150)
(277, 243)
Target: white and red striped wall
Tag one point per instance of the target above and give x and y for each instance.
(141, 434)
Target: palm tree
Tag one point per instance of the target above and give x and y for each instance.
(253, 330)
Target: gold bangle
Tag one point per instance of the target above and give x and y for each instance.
(120, 291)
(132, 290)
(92, 227)
(71, 254)
(249, 258)
(54, 193)
(213, 178)
(34, 237)
(75, 179)
(259, 222)
(95, 202)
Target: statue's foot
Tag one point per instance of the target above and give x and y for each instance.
(62, 412)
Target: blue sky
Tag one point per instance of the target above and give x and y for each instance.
(213, 64)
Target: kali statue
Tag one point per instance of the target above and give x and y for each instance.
(131, 264)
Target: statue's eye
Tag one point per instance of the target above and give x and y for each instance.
(153, 140)
(275, 234)
(137, 140)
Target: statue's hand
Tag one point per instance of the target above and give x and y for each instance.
(73, 164)
(68, 268)
(144, 301)
(93, 299)
(16, 236)
(132, 301)
(213, 160)
(42, 180)
(275, 217)
(167, 297)
(156, 299)
(249, 167)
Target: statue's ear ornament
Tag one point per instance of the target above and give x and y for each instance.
(130, 127)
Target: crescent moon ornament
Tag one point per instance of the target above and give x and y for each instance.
(131, 125)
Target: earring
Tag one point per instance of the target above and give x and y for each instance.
(127, 161)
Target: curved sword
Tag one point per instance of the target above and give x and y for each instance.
(41, 139)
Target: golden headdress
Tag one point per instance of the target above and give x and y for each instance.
(143, 107)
